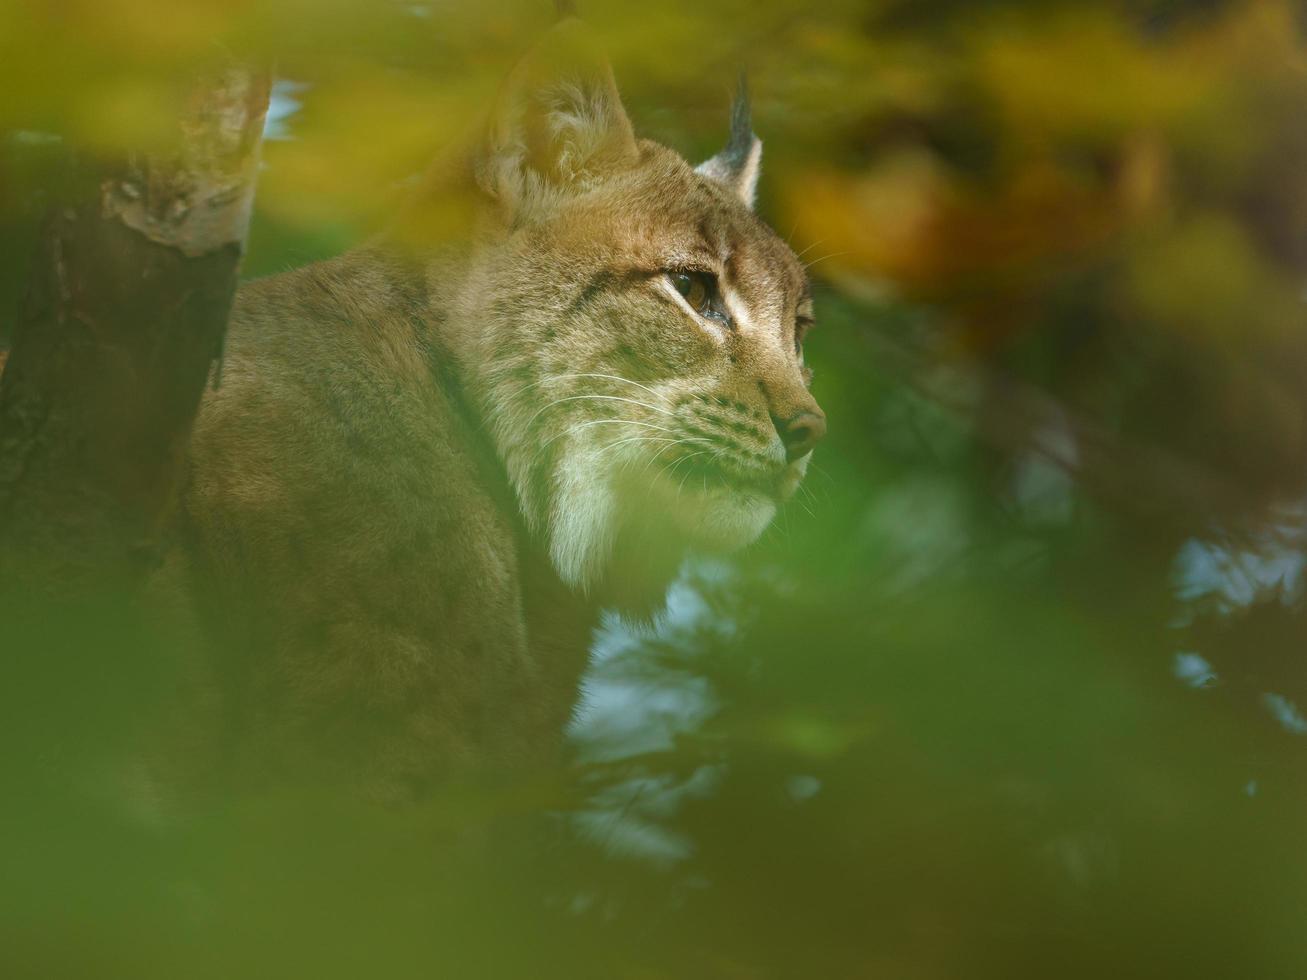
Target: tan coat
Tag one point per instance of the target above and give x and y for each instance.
(425, 468)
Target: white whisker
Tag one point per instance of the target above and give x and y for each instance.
(607, 398)
(607, 377)
(810, 247)
(823, 258)
(672, 469)
(622, 442)
(572, 429)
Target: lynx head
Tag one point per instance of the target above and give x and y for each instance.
(633, 330)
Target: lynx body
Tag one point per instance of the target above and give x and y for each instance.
(424, 471)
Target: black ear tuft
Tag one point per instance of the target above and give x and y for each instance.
(737, 165)
(742, 138)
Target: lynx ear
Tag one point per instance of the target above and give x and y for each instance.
(559, 122)
(738, 165)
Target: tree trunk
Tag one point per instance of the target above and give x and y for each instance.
(122, 324)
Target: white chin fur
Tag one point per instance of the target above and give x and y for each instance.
(713, 518)
(588, 510)
(724, 520)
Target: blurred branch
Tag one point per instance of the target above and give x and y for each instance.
(1144, 480)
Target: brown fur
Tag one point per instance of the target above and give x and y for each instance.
(421, 474)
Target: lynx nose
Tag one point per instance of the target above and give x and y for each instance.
(801, 432)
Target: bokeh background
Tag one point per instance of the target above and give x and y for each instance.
(1017, 689)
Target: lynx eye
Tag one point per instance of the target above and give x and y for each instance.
(699, 289)
(694, 287)
(802, 325)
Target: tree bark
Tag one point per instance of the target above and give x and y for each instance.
(122, 325)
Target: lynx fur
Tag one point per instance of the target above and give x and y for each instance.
(426, 469)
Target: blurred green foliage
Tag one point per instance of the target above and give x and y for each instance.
(1014, 692)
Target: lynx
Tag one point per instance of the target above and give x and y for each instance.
(425, 471)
